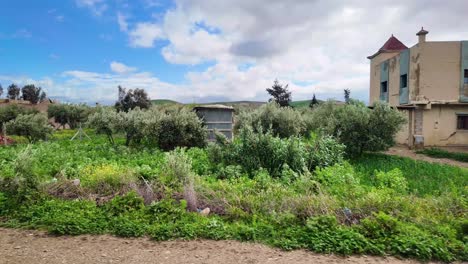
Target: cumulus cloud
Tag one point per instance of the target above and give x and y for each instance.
(316, 46)
(144, 35)
(121, 68)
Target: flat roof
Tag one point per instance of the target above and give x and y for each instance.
(214, 106)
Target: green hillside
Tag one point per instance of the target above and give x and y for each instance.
(163, 101)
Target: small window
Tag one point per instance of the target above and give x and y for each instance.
(404, 81)
(462, 122)
(383, 87)
(466, 76)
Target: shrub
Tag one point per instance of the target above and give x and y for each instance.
(253, 151)
(10, 112)
(356, 126)
(282, 121)
(106, 178)
(32, 126)
(176, 127)
(178, 170)
(392, 179)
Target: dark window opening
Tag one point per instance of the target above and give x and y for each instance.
(404, 81)
(466, 76)
(383, 87)
(462, 122)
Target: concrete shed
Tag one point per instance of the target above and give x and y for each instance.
(217, 117)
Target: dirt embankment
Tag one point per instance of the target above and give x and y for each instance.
(33, 247)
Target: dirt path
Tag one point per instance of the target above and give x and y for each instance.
(405, 152)
(26, 247)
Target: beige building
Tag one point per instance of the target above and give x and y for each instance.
(429, 83)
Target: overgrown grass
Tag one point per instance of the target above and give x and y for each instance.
(376, 204)
(424, 178)
(440, 153)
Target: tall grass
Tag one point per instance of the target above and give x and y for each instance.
(423, 178)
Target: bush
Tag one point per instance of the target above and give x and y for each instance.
(281, 121)
(32, 126)
(393, 179)
(356, 126)
(253, 151)
(10, 112)
(176, 127)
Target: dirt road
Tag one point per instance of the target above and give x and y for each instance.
(27, 247)
(403, 151)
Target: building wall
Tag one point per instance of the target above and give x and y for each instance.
(375, 75)
(414, 72)
(403, 136)
(440, 126)
(394, 80)
(440, 65)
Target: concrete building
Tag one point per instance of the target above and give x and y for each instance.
(218, 118)
(428, 82)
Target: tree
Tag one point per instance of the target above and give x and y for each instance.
(358, 127)
(70, 114)
(103, 121)
(1, 90)
(33, 94)
(131, 99)
(347, 93)
(13, 92)
(313, 102)
(280, 94)
(132, 123)
(34, 127)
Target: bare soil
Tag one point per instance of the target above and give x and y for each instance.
(403, 151)
(27, 247)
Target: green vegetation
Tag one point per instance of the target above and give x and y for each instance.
(440, 153)
(376, 204)
(284, 181)
(163, 102)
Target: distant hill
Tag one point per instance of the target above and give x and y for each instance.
(295, 104)
(163, 101)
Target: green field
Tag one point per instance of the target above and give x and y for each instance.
(375, 204)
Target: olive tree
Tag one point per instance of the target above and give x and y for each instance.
(103, 121)
(132, 124)
(357, 126)
(71, 114)
(34, 127)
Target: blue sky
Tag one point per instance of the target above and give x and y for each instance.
(207, 50)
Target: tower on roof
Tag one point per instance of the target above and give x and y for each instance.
(422, 35)
(391, 45)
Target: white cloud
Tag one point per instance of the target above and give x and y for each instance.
(96, 6)
(121, 68)
(145, 34)
(122, 20)
(316, 46)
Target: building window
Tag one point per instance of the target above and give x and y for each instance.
(384, 87)
(404, 81)
(466, 76)
(462, 122)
